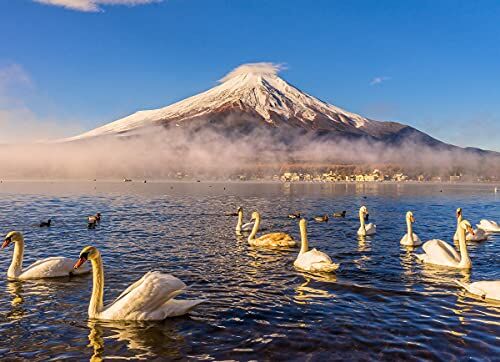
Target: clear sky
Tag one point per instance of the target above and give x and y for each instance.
(434, 65)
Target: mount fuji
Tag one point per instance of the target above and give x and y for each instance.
(254, 96)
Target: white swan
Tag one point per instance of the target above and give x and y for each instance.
(149, 298)
(489, 226)
(487, 289)
(240, 226)
(269, 240)
(46, 268)
(439, 252)
(410, 238)
(479, 234)
(365, 230)
(312, 260)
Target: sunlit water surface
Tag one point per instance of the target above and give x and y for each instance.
(381, 303)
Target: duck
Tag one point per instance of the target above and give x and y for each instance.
(323, 218)
(312, 260)
(295, 215)
(440, 253)
(45, 224)
(149, 298)
(365, 229)
(91, 222)
(489, 226)
(339, 214)
(487, 289)
(479, 234)
(410, 238)
(240, 227)
(278, 239)
(52, 267)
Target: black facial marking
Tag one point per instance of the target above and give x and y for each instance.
(84, 255)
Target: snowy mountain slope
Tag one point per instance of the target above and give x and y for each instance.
(256, 90)
(253, 96)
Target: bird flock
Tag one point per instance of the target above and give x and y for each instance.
(153, 296)
(436, 252)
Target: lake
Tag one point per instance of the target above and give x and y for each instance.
(381, 304)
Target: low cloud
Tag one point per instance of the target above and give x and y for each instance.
(254, 68)
(379, 80)
(93, 5)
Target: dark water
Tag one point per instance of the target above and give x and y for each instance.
(381, 304)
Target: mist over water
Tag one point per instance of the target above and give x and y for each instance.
(158, 152)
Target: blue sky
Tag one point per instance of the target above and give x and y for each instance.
(432, 64)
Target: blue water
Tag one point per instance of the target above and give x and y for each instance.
(381, 304)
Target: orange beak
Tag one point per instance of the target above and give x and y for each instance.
(79, 263)
(5, 243)
(471, 231)
(412, 219)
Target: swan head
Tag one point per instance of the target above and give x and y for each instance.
(87, 253)
(302, 223)
(409, 216)
(459, 212)
(240, 210)
(363, 212)
(255, 216)
(11, 237)
(467, 227)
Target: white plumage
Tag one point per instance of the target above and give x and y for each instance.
(487, 289)
(149, 298)
(312, 260)
(52, 267)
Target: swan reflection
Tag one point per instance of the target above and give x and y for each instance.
(15, 289)
(142, 339)
(305, 291)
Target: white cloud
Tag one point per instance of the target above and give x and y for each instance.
(256, 68)
(93, 5)
(378, 80)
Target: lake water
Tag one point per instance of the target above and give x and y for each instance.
(381, 304)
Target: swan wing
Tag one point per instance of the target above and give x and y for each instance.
(405, 240)
(440, 252)
(51, 268)
(489, 225)
(315, 260)
(274, 239)
(143, 299)
(371, 229)
(489, 289)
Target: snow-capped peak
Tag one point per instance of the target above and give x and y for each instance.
(255, 88)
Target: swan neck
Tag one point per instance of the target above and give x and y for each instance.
(464, 254)
(96, 301)
(362, 221)
(240, 221)
(304, 243)
(16, 266)
(410, 229)
(254, 229)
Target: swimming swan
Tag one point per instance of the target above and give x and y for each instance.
(149, 298)
(312, 260)
(46, 268)
(365, 230)
(410, 238)
(240, 226)
(489, 226)
(270, 240)
(487, 289)
(439, 252)
(479, 234)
